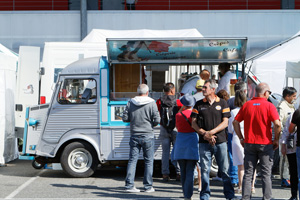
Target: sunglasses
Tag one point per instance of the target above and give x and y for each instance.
(269, 92)
(204, 87)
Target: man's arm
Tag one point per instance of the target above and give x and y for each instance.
(219, 128)
(156, 117)
(125, 116)
(277, 129)
(237, 129)
(195, 126)
(292, 127)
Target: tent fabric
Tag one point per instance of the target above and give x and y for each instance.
(7, 51)
(293, 69)
(271, 67)
(8, 141)
(100, 35)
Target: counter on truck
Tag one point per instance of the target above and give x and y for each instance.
(81, 127)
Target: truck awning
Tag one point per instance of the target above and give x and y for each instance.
(199, 50)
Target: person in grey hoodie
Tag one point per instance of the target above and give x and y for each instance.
(143, 115)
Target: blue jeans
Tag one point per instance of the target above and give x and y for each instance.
(187, 176)
(298, 167)
(166, 140)
(221, 154)
(233, 170)
(136, 144)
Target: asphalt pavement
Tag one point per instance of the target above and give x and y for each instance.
(19, 180)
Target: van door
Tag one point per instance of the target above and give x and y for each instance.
(74, 106)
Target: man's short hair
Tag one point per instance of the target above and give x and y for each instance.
(240, 85)
(261, 88)
(212, 83)
(225, 66)
(142, 89)
(288, 91)
(168, 87)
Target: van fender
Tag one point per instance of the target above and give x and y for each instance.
(91, 136)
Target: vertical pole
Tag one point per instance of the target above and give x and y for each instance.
(83, 18)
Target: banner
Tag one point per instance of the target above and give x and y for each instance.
(202, 50)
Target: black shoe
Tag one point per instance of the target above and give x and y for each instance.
(166, 178)
(293, 198)
(178, 177)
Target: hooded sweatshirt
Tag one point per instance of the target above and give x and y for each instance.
(143, 115)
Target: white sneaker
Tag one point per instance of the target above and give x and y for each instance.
(216, 178)
(150, 190)
(132, 190)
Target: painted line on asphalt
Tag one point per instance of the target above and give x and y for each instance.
(24, 185)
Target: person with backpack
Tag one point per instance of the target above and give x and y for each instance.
(168, 106)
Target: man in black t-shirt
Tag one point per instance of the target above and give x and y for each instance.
(209, 119)
(296, 122)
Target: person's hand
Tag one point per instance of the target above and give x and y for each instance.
(275, 144)
(208, 135)
(212, 141)
(242, 142)
(283, 149)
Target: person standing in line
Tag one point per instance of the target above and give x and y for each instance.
(186, 149)
(285, 108)
(168, 106)
(290, 152)
(199, 96)
(233, 170)
(209, 119)
(224, 82)
(142, 113)
(296, 123)
(257, 115)
(237, 149)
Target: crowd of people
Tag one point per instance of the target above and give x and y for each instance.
(239, 132)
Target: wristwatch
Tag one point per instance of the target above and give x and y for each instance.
(242, 139)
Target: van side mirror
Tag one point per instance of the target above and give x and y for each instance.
(19, 107)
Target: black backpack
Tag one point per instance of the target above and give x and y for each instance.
(168, 112)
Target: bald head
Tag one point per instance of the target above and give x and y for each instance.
(261, 90)
(205, 74)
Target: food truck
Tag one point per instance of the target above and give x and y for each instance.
(82, 128)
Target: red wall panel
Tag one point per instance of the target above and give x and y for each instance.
(34, 5)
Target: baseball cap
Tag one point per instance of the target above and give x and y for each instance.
(200, 84)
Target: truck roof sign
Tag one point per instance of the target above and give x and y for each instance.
(177, 50)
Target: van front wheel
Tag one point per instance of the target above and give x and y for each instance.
(79, 160)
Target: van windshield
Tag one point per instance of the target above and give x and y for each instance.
(77, 91)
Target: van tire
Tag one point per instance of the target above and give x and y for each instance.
(37, 165)
(79, 160)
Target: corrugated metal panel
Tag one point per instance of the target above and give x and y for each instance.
(120, 144)
(66, 117)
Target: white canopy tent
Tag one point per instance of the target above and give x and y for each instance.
(270, 65)
(8, 141)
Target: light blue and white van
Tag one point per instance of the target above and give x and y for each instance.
(81, 127)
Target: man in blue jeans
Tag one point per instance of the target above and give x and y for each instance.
(142, 113)
(209, 119)
(168, 106)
